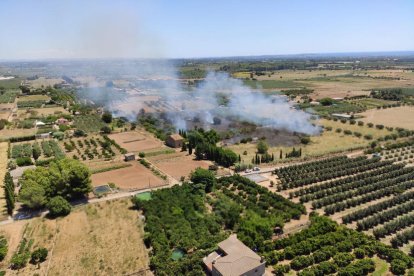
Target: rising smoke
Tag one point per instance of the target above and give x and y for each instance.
(122, 34)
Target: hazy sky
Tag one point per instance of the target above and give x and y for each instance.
(201, 28)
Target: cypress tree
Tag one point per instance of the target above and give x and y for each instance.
(281, 156)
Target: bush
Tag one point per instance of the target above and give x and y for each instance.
(58, 206)
(305, 140)
(39, 255)
(106, 130)
(141, 154)
(24, 161)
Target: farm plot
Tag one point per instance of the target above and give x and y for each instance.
(135, 141)
(132, 178)
(88, 123)
(8, 97)
(44, 149)
(93, 148)
(356, 191)
(178, 165)
(326, 248)
(393, 117)
(370, 103)
(401, 152)
(111, 228)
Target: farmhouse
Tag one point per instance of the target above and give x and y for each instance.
(175, 141)
(129, 156)
(341, 116)
(234, 258)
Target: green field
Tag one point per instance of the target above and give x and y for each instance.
(8, 97)
(272, 84)
(89, 123)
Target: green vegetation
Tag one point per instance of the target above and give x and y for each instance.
(326, 248)
(22, 256)
(272, 84)
(58, 206)
(9, 193)
(177, 219)
(7, 96)
(88, 123)
(64, 177)
(3, 248)
(39, 255)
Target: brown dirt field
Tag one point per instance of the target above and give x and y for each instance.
(177, 166)
(3, 169)
(393, 117)
(136, 141)
(136, 177)
(97, 239)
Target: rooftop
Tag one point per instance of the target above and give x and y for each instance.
(236, 260)
(176, 136)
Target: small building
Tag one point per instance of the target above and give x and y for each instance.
(315, 103)
(43, 135)
(129, 156)
(342, 116)
(175, 141)
(62, 121)
(233, 258)
(39, 124)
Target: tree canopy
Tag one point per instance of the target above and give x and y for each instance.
(68, 178)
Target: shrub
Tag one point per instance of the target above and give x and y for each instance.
(58, 206)
(39, 255)
(24, 161)
(141, 154)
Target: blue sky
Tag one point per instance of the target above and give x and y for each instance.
(199, 28)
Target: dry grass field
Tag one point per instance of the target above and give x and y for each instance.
(339, 83)
(393, 117)
(178, 164)
(136, 141)
(44, 82)
(7, 133)
(3, 170)
(97, 239)
(327, 142)
(33, 98)
(135, 177)
(26, 113)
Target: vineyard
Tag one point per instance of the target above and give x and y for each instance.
(370, 195)
(88, 123)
